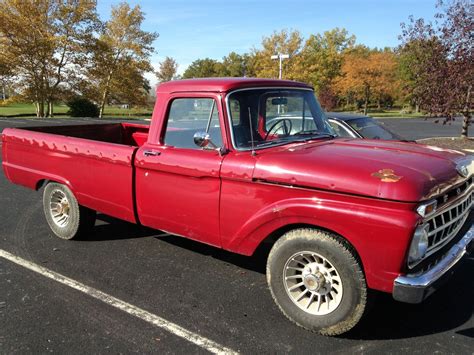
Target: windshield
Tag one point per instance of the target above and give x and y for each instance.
(370, 129)
(275, 116)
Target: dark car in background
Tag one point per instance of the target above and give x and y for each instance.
(358, 126)
(343, 124)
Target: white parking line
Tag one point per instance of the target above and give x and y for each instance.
(162, 323)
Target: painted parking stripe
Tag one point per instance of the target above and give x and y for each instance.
(157, 321)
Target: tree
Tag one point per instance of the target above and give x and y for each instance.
(367, 74)
(236, 65)
(457, 36)
(168, 69)
(323, 56)
(420, 83)
(285, 42)
(122, 48)
(438, 61)
(6, 73)
(44, 42)
(129, 85)
(327, 98)
(203, 68)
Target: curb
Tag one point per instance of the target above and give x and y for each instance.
(469, 151)
(449, 137)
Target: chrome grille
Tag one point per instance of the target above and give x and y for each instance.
(446, 224)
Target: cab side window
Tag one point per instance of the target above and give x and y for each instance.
(188, 116)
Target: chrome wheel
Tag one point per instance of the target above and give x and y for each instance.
(312, 283)
(59, 208)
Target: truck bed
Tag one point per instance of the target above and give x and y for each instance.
(119, 133)
(95, 161)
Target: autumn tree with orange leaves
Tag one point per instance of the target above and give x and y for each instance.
(367, 74)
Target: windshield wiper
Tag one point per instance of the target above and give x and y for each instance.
(314, 133)
(272, 142)
(305, 136)
(302, 136)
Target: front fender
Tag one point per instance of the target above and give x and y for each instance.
(380, 235)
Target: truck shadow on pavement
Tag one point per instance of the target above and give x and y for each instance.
(451, 307)
(109, 228)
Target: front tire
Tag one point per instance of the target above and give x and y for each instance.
(66, 218)
(316, 281)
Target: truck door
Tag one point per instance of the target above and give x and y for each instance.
(178, 182)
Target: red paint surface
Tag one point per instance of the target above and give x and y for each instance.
(236, 200)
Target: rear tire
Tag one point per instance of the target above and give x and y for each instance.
(316, 281)
(66, 218)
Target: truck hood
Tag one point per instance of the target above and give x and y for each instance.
(382, 169)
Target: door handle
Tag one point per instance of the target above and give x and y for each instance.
(151, 153)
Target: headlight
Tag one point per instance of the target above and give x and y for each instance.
(419, 244)
(425, 209)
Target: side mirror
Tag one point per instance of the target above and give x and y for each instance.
(203, 140)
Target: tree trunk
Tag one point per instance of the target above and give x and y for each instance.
(465, 125)
(40, 111)
(105, 94)
(102, 103)
(366, 102)
(50, 108)
(466, 114)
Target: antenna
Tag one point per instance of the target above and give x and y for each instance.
(251, 132)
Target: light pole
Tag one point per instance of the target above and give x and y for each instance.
(280, 57)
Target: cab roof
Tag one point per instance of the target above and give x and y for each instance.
(224, 84)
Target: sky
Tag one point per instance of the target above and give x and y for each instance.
(190, 30)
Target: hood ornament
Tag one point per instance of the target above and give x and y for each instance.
(387, 175)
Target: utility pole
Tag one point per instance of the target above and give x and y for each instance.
(280, 57)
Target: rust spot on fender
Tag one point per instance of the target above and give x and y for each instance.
(387, 175)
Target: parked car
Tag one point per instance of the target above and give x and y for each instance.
(358, 126)
(343, 125)
(340, 216)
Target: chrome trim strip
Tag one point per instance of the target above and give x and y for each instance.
(229, 118)
(346, 127)
(452, 258)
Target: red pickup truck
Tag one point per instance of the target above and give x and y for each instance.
(243, 163)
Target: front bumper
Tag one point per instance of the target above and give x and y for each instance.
(414, 289)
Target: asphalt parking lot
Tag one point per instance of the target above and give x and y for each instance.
(208, 293)
(418, 128)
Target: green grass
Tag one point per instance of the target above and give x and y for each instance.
(394, 114)
(60, 110)
(118, 111)
(25, 108)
